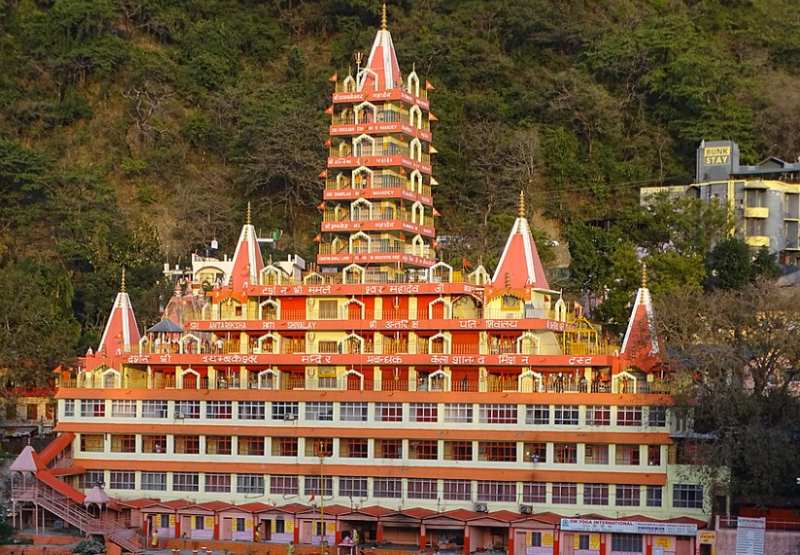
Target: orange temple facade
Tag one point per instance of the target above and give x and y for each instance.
(379, 397)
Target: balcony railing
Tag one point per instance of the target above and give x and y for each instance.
(377, 150)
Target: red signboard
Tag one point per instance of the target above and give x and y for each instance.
(379, 225)
(377, 161)
(394, 325)
(352, 194)
(394, 94)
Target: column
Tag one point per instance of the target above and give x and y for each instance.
(422, 539)
(510, 549)
(466, 539)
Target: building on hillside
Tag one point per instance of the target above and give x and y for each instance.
(379, 397)
(764, 199)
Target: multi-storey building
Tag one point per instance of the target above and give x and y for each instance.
(386, 393)
(764, 199)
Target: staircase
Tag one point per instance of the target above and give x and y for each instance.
(74, 514)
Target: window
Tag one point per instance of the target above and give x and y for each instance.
(388, 412)
(626, 542)
(457, 490)
(240, 525)
(154, 409)
(280, 526)
(352, 487)
(566, 415)
(320, 411)
(565, 494)
(535, 452)
(654, 496)
(537, 414)
(219, 409)
(217, 482)
(187, 409)
(218, 445)
(252, 410)
(627, 495)
(285, 410)
(654, 455)
(596, 454)
(629, 416)
(424, 412)
(91, 478)
(312, 485)
(187, 445)
(283, 485)
(387, 487)
(328, 310)
(534, 492)
(688, 496)
(125, 443)
(251, 446)
(536, 539)
(583, 541)
(122, 480)
(458, 450)
(498, 414)
(497, 451)
(199, 522)
(354, 448)
(186, 481)
(319, 447)
(420, 488)
(250, 483)
(425, 449)
(598, 415)
(595, 494)
(458, 412)
(284, 446)
(491, 490)
(69, 407)
(627, 455)
(565, 453)
(154, 481)
(92, 443)
(93, 407)
(657, 417)
(388, 448)
(122, 409)
(353, 412)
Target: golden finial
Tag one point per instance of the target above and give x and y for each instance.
(122, 286)
(644, 275)
(522, 204)
(358, 57)
(384, 25)
(248, 219)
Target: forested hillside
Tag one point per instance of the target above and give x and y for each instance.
(134, 131)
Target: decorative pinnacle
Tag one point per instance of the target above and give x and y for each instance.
(248, 219)
(384, 25)
(359, 58)
(122, 286)
(521, 204)
(644, 275)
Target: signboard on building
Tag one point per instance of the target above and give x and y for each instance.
(708, 538)
(750, 534)
(627, 527)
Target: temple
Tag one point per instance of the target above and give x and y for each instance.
(376, 397)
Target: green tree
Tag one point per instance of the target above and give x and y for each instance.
(728, 265)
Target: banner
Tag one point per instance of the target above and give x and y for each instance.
(627, 527)
(750, 535)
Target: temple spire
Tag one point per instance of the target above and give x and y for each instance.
(644, 275)
(384, 24)
(521, 204)
(248, 218)
(123, 288)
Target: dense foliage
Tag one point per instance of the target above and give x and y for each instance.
(133, 131)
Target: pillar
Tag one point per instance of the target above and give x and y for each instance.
(466, 539)
(602, 544)
(297, 532)
(177, 525)
(378, 533)
(510, 549)
(337, 538)
(556, 541)
(422, 539)
(216, 527)
(648, 543)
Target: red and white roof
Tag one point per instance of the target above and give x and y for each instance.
(520, 265)
(640, 344)
(121, 330)
(247, 260)
(382, 72)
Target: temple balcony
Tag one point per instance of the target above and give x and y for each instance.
(360, 214)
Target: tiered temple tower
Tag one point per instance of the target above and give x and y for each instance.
(378, 214)
(461, 413)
